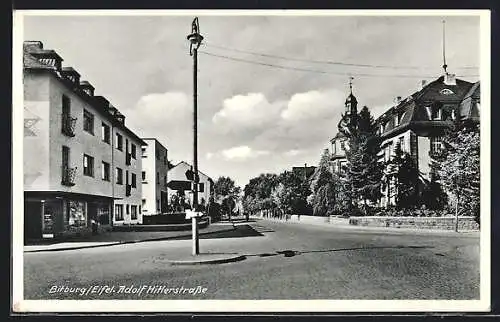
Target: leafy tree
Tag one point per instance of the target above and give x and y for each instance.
(290, 195)
(257, 193)
(226, 193)
(460, 170)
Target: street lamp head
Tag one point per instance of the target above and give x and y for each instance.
(194, 38)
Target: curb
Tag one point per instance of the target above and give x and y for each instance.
(229, 259)
(125, 242)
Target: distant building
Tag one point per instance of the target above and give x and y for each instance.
(304, 172)
(80, 160)
(178, 182)
(416, 123)
(154, 177)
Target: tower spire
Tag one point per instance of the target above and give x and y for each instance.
(444, 47)
(350, 83)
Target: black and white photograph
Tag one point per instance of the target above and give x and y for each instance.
(251, 161)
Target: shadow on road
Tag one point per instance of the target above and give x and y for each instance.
(238, 232)
(292, 253)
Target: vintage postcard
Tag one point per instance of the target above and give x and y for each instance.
(251, 161)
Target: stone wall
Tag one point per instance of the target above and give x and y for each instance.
(441, 223)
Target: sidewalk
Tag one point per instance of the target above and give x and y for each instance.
(124, 237)
(346, 225)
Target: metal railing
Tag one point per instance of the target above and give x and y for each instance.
(68, 124)
(68, 176)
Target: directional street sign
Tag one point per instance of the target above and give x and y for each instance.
(179, 185)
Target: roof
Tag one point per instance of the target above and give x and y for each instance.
(184, 162)
(30, 62)
(156, 140)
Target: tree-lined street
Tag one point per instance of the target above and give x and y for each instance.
(284, 261)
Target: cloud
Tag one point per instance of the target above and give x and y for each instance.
(238, 153)
(293, 152)
(246, 112)
(167, 117)
(312, 105)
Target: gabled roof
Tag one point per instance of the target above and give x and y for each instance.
(432, 92)
(187, 164)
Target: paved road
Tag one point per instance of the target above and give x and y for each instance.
(284, 261)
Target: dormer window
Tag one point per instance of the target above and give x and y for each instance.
(446, 91)
(436, 113)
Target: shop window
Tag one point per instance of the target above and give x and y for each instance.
(76, 215)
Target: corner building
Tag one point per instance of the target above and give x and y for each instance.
(80, 161)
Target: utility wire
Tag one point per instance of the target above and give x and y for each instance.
(318, 71)
(324, 61)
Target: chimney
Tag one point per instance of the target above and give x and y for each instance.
(397, 100)
(87, 88)
(423, 83)
(120, 117)
(71, 74)
(449, 79)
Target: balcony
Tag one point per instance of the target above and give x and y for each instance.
(68, 176)
(68, 125)
(128, 158)
(128, 190)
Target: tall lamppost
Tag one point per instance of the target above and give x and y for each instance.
(195, 40)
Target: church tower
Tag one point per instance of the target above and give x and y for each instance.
(351, 105)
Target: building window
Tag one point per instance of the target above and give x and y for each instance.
(342, 145)
(334, 148)
(88, 165)
(143, 152)
(201, 187)
(118, 212)
(134, 181)
(436, 144)
(396, 120)
(143, 175)
(436, 113)
(165, 180)
(453, 115)
(106, 133)
(128, 209)
(88, 121)
(139, 209)
(119, 141)
(133, 212)
(119, 176)
(402, 143)
(133, 151)
(158, 177)
(105, 171)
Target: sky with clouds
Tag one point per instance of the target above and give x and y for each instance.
(254, 118)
